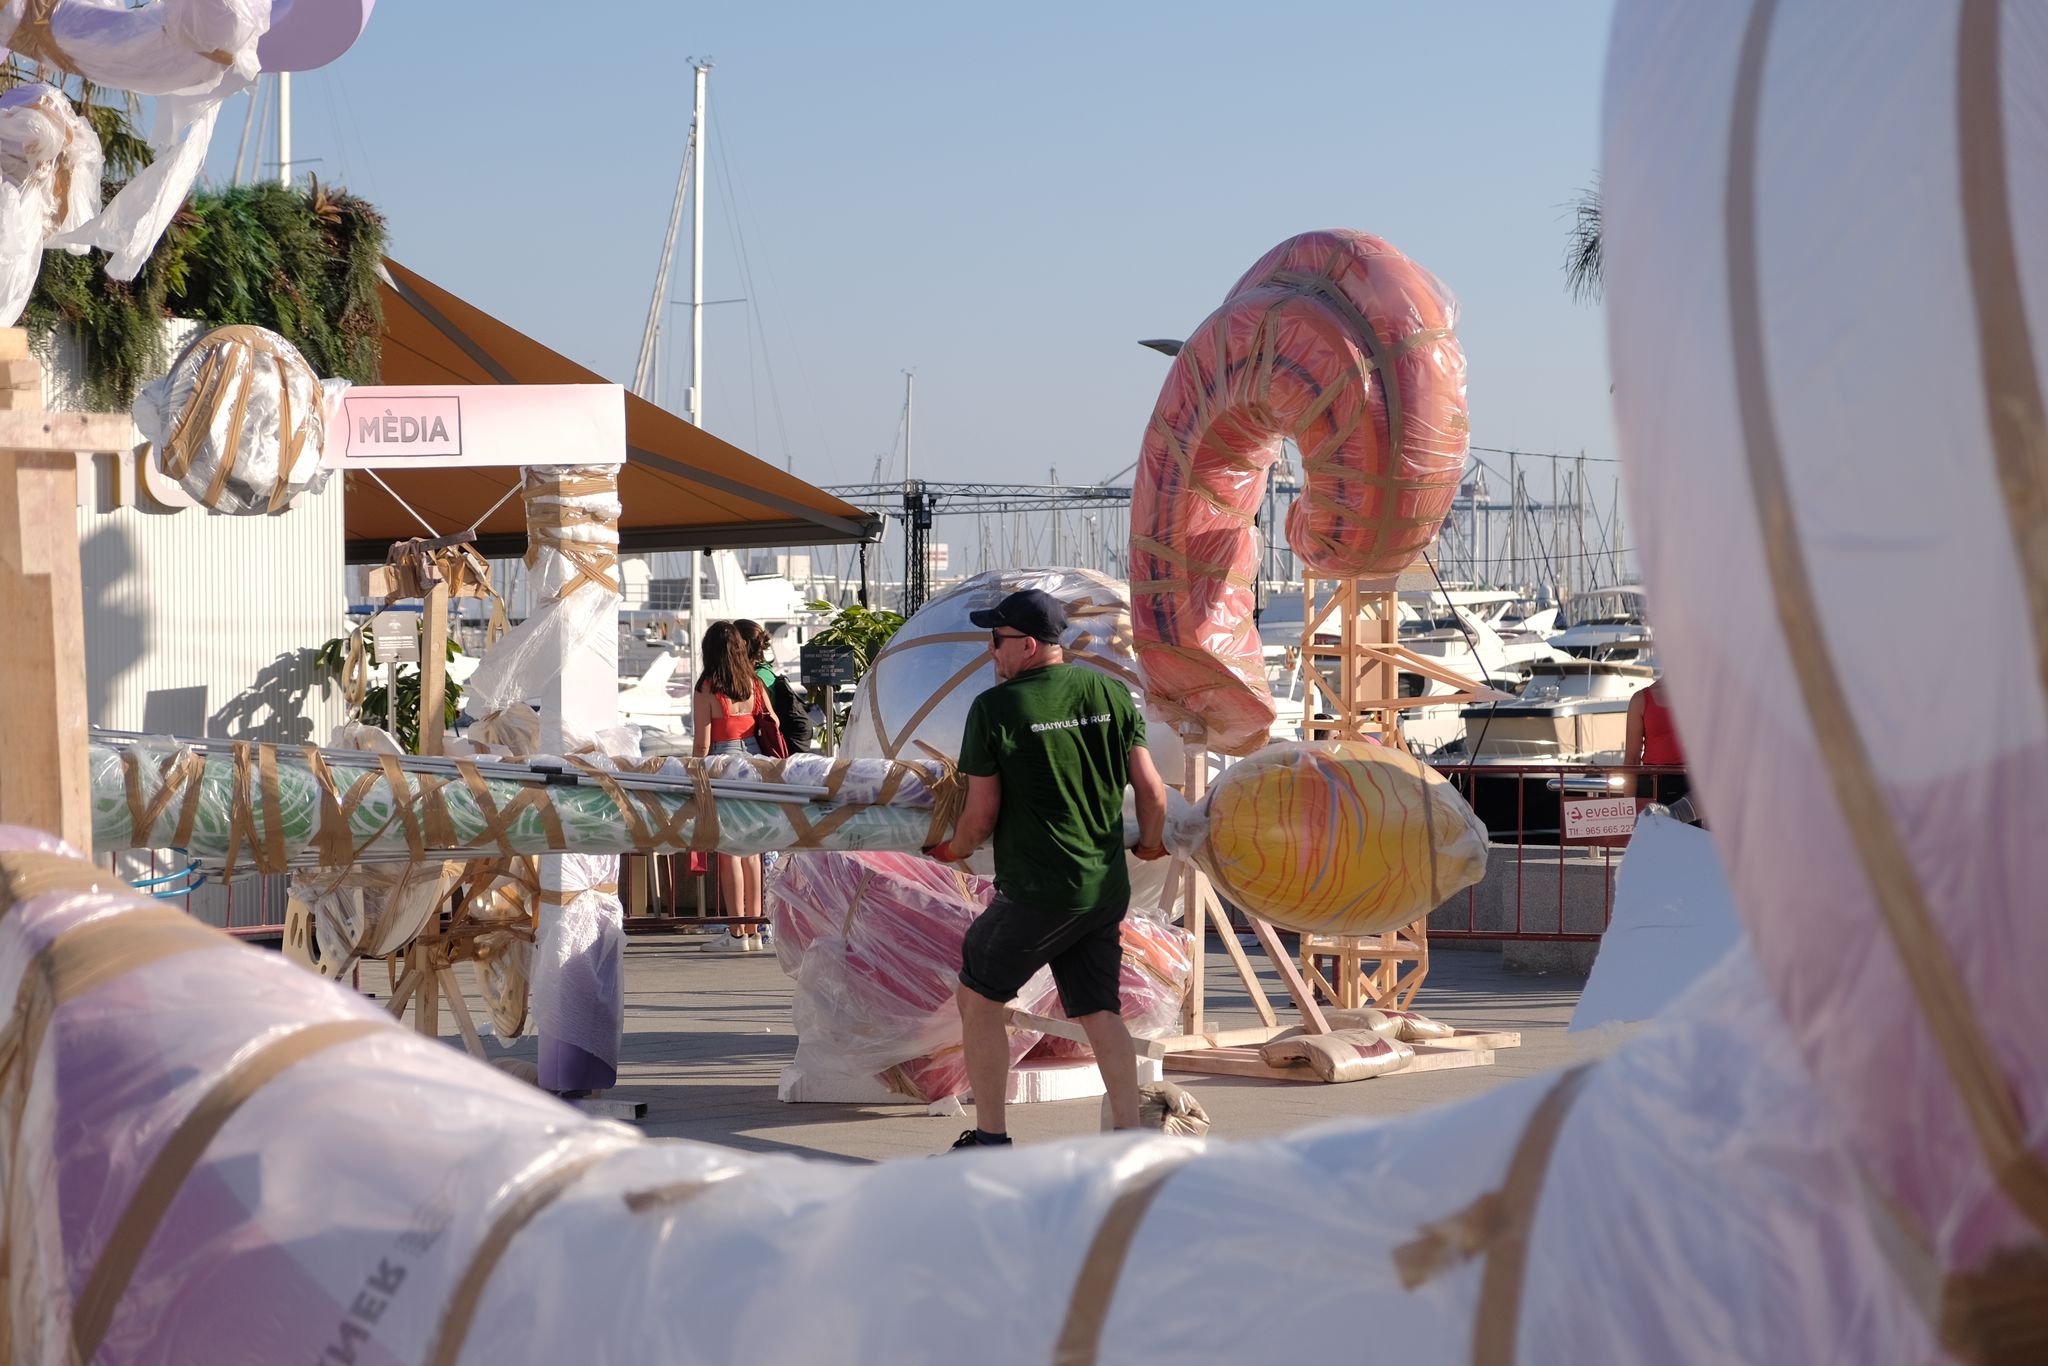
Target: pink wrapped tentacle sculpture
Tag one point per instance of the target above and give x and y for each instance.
(1338, 342)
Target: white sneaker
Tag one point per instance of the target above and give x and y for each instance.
(729, 943)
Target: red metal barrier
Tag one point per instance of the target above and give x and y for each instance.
(1534, 885)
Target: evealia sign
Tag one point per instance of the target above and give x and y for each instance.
(387, 426)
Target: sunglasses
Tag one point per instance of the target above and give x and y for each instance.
(996, 638)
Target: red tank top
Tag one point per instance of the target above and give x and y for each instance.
(1660, 732)
(727, 724)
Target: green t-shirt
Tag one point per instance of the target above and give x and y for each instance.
(1060, 738)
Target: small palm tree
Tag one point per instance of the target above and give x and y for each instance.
(1582, 250)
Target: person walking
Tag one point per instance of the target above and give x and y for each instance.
(724, 713)
(1047, 753)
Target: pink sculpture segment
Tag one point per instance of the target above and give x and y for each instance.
(305, 34)
(1338, 342)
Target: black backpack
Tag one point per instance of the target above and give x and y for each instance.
(791, 713)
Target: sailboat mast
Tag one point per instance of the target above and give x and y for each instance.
(694, 400)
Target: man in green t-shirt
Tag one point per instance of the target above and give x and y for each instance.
(1047, 753)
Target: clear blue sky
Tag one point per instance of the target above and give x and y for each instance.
(1002, 200)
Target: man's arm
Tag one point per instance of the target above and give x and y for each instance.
(1150, 790)
(977, 819)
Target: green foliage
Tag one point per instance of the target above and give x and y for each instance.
(301, 262)
(866, 631)
(331, 660)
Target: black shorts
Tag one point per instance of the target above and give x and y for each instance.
(1008, 942)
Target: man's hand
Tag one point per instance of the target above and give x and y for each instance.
(1149, 852)
(942, 851)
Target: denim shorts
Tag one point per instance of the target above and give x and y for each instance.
(746, 746)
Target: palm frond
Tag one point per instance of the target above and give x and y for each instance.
(1582, 249)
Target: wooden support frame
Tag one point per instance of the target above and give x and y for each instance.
(1200, 908)
(43, 722)
(1359, 696)
(1399, 959)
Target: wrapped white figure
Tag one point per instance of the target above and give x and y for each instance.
(240, 420)
(50, 163)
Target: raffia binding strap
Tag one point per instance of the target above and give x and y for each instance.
(33, 39)
(1998, 1316)
(176, 1159)
(181, 771)
(704, 828)
(949, 796)
(547, 518)
(26, 874)
(1497, 1226)
(562, 896)
(662, 1199)
(227, 378)
(1080, 1337)
(534, 1194)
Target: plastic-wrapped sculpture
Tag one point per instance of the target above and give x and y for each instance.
(49, 182)
(240, 420)
(873, 944)
(1335, 837)
(1339, 342)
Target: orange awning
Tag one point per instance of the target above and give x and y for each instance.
(681, 488)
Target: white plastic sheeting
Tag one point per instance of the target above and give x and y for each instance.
(578, 964)
(49, 181)
(1828, 311)
(366, 1183)
(191, 55)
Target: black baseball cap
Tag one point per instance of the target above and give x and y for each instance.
(1037, 614)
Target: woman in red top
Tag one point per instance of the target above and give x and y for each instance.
(723, 716)
(1653, 740)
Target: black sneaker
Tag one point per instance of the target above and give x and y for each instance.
(975, 1138)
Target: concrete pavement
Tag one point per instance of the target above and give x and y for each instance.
(708, 1034)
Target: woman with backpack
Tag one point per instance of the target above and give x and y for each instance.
(726, 716)
(790, 712)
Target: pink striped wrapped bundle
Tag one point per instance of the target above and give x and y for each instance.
(1336, 341)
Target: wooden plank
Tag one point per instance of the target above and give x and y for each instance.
(1476, 1039)
(1221, 1038)
(1246, 1062)
(65, 433)
(43, 724)
(433, 669)
(1235, 1062)
(1067, 1029)
(1212, 909)
(1304, 999)
(460, 1008)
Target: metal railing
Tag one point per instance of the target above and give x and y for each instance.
(1538, 885)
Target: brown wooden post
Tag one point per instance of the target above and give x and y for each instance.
(43, 722)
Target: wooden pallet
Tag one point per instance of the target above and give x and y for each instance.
(1466, 1048)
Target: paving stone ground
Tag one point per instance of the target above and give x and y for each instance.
(708, 1034)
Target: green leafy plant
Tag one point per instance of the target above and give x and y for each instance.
(300, 261)
(332, 661)
(863, 631)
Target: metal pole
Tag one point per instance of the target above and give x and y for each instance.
(908, 376)
(248, 122)
(694, 402)
(284, 126)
